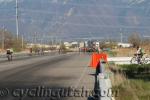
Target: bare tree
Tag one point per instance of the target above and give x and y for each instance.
(134, 39)
(10, 41)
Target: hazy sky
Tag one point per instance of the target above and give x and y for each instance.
(5, 1)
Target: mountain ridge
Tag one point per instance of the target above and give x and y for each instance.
(76, 18)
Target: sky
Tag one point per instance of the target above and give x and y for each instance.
(55, 1)
(1, 1)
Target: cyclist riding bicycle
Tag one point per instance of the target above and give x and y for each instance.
(9, 53)
(140, 57)
(139, 54)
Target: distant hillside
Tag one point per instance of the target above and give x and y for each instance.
(77, 18)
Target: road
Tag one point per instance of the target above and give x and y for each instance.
(56, 73)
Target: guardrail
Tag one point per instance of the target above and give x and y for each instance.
(102, 87)
(104, 83)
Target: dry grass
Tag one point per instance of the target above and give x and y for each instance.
(147, 48)
(125, 52)
(129, 89)
(129, 52)
(117, 78)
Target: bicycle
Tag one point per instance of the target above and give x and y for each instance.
(138, 59)
(9, 57)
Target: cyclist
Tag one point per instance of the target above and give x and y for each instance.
(9, 53)
(139, 54)
(31, 50)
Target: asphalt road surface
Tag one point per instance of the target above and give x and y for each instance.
(56, 77)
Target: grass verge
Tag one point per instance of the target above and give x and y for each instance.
(132, 81)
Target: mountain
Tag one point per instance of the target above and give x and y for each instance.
(77, 18)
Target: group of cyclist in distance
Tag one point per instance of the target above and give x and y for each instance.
(137, 56)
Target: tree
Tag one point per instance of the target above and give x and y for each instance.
(63, 47)
(134, 39)
(110, 44)
(10, 40)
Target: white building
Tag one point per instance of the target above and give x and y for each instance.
(31, 45)
(67, 45)
(74, 43)
(125, 45)
(81, 44)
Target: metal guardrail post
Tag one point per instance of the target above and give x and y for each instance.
(103, 85)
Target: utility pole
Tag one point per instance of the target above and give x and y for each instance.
(121, 37)
(35, 38)
(17, 24)
(52, 41)
(121, 34)
(22, 42)
(3, 38)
